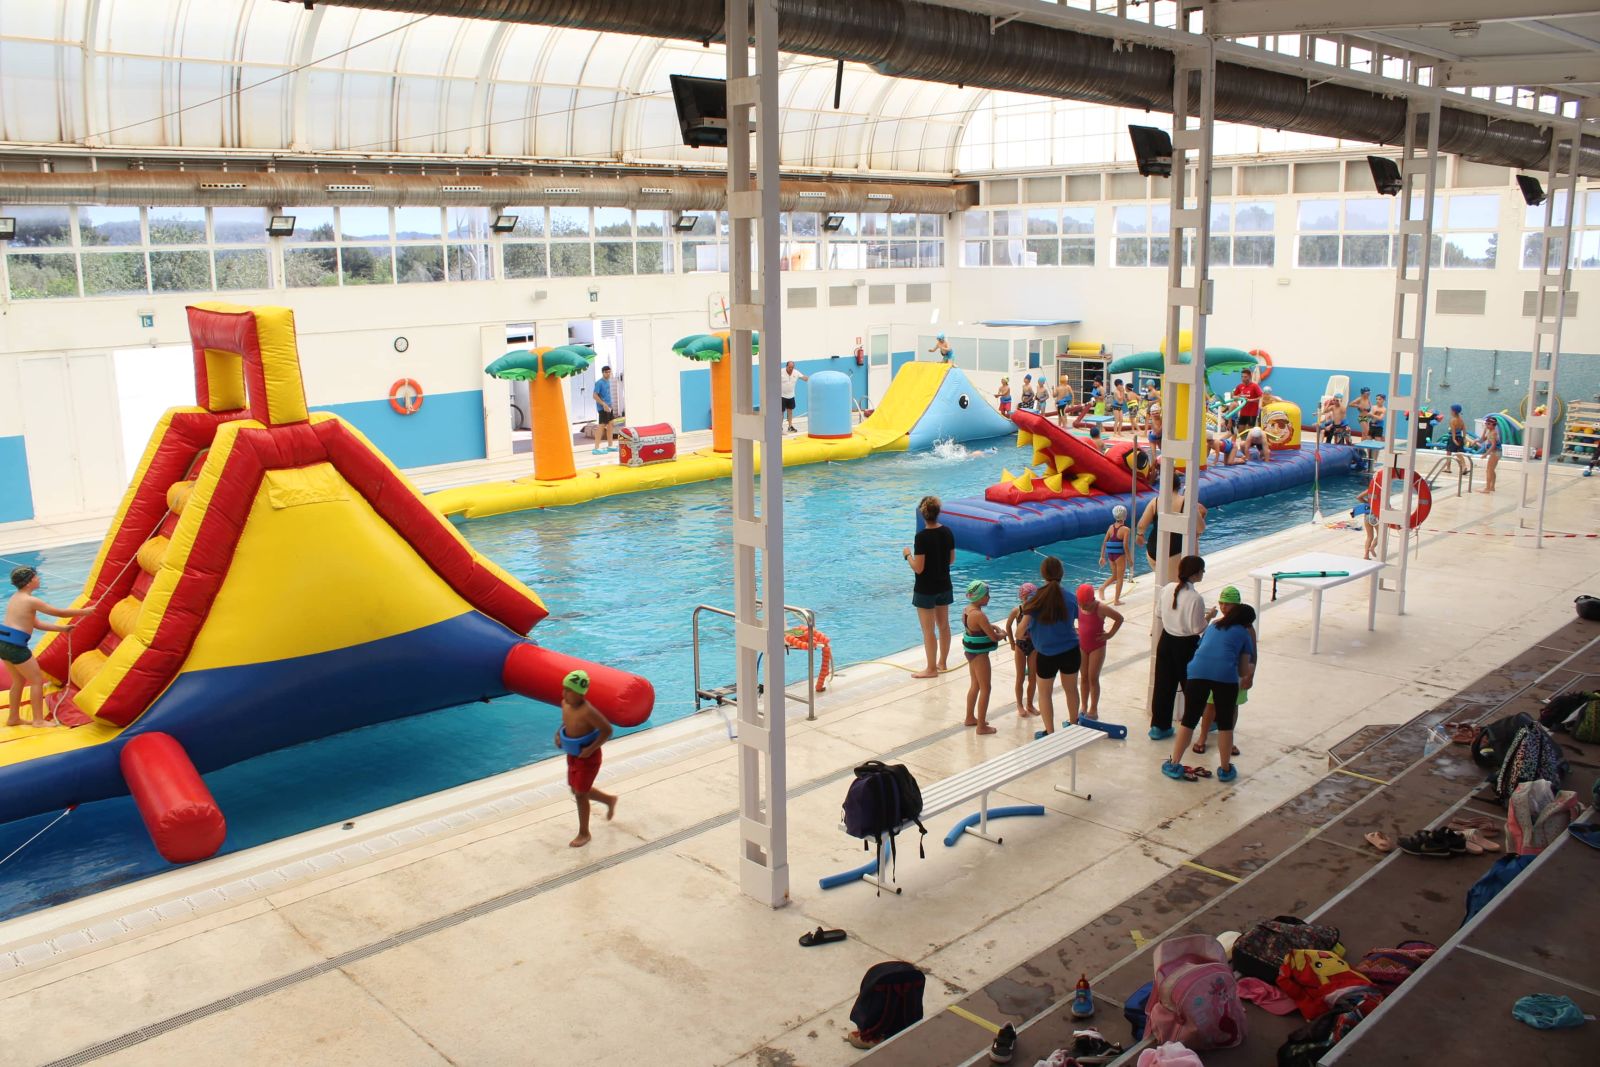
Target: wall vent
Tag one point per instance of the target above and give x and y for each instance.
(1460, 301)
(350, 188)
(1530, 301)
(880, 294)
(919, 293)
(802, 298)
(841, 296)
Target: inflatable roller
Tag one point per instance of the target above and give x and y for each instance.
(178, 810)
(535, 672)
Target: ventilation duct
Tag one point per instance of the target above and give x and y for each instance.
(288, 189)
(906, 39)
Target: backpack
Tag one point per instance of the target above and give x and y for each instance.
(1386, 968)
(1587, 727)
(1133, 1010)
(1195, 999)
(1306, 1046)
(890, 999)
(1588, 607)
(1533, 755)
(1564, 708)
(880, 800)
(1260, 950)
(1490, 743)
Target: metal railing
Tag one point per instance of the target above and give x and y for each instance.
(727, 694)
(1461, 476)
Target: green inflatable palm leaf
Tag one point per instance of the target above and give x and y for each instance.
(705, 347)
(523, 365)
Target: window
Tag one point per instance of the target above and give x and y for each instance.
(366, 265)
(523, 251)
(316, 266)
(1142, 235)
(103, 225)
(1470, 233)
(173, 267)
(1317, 228)
(419, 247)
(1253, 242)
(243, 266)
(177, 226)
(467, 254)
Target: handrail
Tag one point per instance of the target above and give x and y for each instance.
(808, 620)
(1467, 474)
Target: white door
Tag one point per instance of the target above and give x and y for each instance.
(47, 432)
(96, 427)
(880, 365)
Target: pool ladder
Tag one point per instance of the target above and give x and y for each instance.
(1461, 476)
(723, 695)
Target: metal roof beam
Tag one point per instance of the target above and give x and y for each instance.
(1580, 67)
(1244, 18)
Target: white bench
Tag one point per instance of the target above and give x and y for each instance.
(978, 782)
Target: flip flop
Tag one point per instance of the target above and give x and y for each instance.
(1198, 772)
(819, 936)
(1463, 734)
(1199, 748)
(1478, 843)
(1380, 841)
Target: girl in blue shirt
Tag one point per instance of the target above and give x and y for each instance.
(1224, 664)
(1050, 621)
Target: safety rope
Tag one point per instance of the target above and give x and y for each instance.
(40, 833)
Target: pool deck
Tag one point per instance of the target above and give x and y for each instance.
(460, 929)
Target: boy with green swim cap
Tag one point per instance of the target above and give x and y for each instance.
(582, 732)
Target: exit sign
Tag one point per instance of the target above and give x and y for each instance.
(147, 320)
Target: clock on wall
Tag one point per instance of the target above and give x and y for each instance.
(401, 344)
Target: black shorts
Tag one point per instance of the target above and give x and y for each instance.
(15, 653)
(1051, 664)
(604, 417)
(1244, 422)
(788, 403)
(933, 600)
(1224, 696)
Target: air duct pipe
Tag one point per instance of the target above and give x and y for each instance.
(907, 39)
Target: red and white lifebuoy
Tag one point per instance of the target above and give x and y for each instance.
(405, 396)
(1422, 495)
(1264, 356)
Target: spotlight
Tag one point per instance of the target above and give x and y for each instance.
(1385, 175)
(503, 223)
(702, 105)
(1533, 193)
(686, 222)
(1465, 31)
(1153, 149)
(832, 223)
(281, 226)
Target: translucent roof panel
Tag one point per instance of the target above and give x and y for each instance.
(258, 75)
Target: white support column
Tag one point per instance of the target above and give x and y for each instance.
(757, 531)
(1399, 456)
(1549, 311)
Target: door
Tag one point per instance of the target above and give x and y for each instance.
(47, 432)
(879, 369)
(606, 340)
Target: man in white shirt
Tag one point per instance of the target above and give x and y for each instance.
(787, 380)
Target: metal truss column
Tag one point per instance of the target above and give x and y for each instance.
(1419, 158)
(757, 510)
(1549, 312)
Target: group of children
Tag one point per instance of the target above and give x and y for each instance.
(1126, 408)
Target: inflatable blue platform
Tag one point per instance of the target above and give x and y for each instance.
(992, 530)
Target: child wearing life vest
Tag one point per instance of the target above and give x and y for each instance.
(582, 732)
(979, 637)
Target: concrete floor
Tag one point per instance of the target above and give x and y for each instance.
(646, 951)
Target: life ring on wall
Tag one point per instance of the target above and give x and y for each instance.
(1378, 492)
(1264, 356)
(802, 637)
(405, 403)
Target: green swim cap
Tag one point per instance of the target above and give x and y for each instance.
(976, 591)
(577, 681)
(1229, 595)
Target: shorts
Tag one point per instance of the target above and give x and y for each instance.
(1245, 421)
(1453, 447)
(604, 417)
(1023, 645)
(582, 771)
(788, 403)
(1051, 664)
(1224, 696)
(15, 653)
(933, 600)
(1174, 546)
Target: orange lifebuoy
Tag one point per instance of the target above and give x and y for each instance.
(1378, 492)
(797, 638)
(1264, 356)
(409, 405)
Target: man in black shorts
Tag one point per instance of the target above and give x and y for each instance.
(605, 410)
(1248, 391)
(787, 381)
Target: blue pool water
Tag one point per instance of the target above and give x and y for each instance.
(620, 577)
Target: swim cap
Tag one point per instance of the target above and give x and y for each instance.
(1456, 408)
(1085, 594)
(976, 591)
(1229, 595)
(939, 337)
(22, 576)
(1027, 591)
(1120, 512)
(577, 681)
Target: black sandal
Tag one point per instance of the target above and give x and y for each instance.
(819, 936)
(1198, 772)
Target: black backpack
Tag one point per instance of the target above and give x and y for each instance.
(882, 799)
(1491, 743)
(1588, 607)
(890, 999)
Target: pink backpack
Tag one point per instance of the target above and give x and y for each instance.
(1196, 998)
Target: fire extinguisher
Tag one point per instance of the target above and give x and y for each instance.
(861, 354)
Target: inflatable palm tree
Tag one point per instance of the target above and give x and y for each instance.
(712, 348)
(544, 370)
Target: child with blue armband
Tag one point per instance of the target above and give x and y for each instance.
(582, 732)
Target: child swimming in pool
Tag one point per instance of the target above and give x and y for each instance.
(979, 637)
(582, 732)
(1114, 549)
(1022, 654)
(1092, 641)
(21, 620)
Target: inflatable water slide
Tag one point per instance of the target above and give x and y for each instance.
(926, 402)
(1079, 486)
(269, 579)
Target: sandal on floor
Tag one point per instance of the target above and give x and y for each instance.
(1380, 841)
(1478, 842)
(1463, 733)
(1426, 843)
(819, 936)
(1198, 772)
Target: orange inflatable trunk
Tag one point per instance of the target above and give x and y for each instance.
(552, 433)
(722, 403)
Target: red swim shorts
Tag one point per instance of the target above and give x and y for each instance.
(581, 771)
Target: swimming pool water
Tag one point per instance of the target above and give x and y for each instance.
(620, 577)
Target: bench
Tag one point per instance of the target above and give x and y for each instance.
(978, 782)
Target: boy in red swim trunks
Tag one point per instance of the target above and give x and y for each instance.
(582, 732)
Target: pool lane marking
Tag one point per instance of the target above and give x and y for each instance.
(956, 1009)
(1224, 875)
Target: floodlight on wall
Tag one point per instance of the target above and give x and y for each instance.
(832, 223)
(1152, 148)
(8, 228)
(1385, 175)
(1533, 193)
(281, 226)
(702, 105)
(503, 223)
(686, 222)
